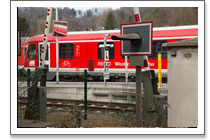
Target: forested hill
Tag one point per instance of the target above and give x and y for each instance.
(31, 21)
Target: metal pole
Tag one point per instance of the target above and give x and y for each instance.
(57, 53)
(105, 45)
(139, 116)
(85, 94)
(126, 69)
(159, 71)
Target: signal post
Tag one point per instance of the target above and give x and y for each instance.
(106, 59)
(136, 41)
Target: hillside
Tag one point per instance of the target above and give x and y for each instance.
(31, 20)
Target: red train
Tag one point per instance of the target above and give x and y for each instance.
(78, 48)
(23, 49)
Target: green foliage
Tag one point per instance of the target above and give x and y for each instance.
(23, 26)
(122, 15)
(110, 21)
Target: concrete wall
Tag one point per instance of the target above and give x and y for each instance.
(182, 86)
(113, 92)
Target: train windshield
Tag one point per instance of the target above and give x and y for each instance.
(32, 51)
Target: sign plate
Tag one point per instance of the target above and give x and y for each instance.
(106, 67)
(106, 56)
(106, 76)
(60, 28)
(144, 29)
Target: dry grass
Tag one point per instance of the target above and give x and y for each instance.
(94, 120)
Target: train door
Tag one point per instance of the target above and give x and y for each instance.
(81, 51)
(40, 45)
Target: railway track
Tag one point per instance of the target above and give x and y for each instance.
(62, 104)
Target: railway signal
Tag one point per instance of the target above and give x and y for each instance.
(136, 40)
(138, 19)
(36, 105)
(106, 59)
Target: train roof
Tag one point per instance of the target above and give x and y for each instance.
(25, 39)
(158, 33)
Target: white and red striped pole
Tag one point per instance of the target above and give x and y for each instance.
(46, 33)
(138, 19)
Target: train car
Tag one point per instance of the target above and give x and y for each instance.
(78, 49)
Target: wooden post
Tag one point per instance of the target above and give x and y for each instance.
(28, 78)
(138, 62)
(139, 118)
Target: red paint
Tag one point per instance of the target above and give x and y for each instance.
(21, 58)
(91, 65)
(175, 33)
(137, 17)
(145, 63)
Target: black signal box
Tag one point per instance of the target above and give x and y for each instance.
(143, 47)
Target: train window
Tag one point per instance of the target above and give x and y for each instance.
(32, 51)
(66, 51)
(156, 48)
(46, 57)
(101, 50)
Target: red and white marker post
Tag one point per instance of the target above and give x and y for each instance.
(46, 33)
(138, 19)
